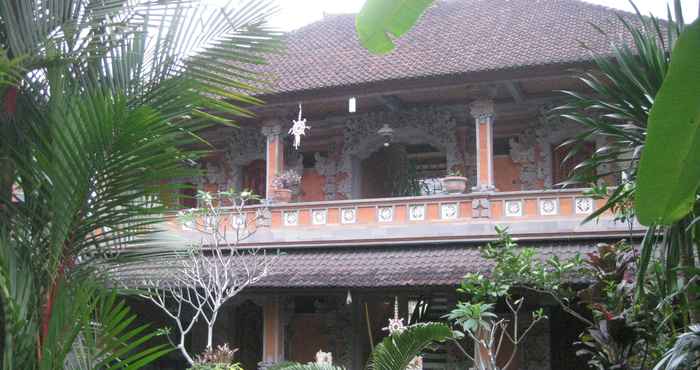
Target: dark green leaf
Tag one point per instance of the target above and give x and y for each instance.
(669, 171)
(380, 20)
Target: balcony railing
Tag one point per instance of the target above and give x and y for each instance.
(535, 215)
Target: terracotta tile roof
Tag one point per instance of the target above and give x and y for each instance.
(370, 267)
(389, 266)
(454, 37)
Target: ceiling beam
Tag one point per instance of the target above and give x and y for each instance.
(515, 91)
(392, 102)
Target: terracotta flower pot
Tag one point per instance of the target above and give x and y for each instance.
(454, 184)
(282, 195)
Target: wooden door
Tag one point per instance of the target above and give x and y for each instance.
(249, 330)
(254, 177)
(561, 170)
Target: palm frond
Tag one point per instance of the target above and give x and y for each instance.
(622, 91)
(111, 340)
(397, 350)
(185, 56)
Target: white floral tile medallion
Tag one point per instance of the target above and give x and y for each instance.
(514, 208)
(319, 216)
(385, 214)
(291, 218)
(416, 212)
(583, 206)
(549, 207)
(348, 215)
(449, 211)
(237, 221)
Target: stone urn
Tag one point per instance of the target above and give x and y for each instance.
(454, 184)
(282, 195)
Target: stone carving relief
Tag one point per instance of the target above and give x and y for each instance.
(244, 146)
(433, 126)
(532, 149)
(326, 167)
(216, 174)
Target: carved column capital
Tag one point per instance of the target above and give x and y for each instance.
(482, 108)
(270, 130)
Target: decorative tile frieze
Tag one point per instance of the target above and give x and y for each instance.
(583, 206)
(481, 208)
(549, 207)
(263, 217)
(449, 211)
(348, 215)
(416, 212)
(209, 222)
(291, 218)
(319, 216)
(237, 221)
(385, 214)
(513, 208)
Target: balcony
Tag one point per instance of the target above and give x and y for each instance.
(528, 215)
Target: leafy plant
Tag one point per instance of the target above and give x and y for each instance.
(479, 322)
(472, 316)
(222, 354)
(288, 179)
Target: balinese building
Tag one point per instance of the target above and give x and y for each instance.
(466, 91)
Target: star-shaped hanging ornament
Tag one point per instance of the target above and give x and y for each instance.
(298, 129)
(395, 324)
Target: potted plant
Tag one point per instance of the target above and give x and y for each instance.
(454, 182)
(285, 184)
(220, 358)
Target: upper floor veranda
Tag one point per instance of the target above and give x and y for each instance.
(379, 168)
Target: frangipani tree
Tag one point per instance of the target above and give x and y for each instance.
(214, 269)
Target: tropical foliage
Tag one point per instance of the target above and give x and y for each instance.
(619, 331)
(641, 108)
(475, 315)
(102, 105)
(672, 147)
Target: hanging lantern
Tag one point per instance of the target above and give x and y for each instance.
(387, 133)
